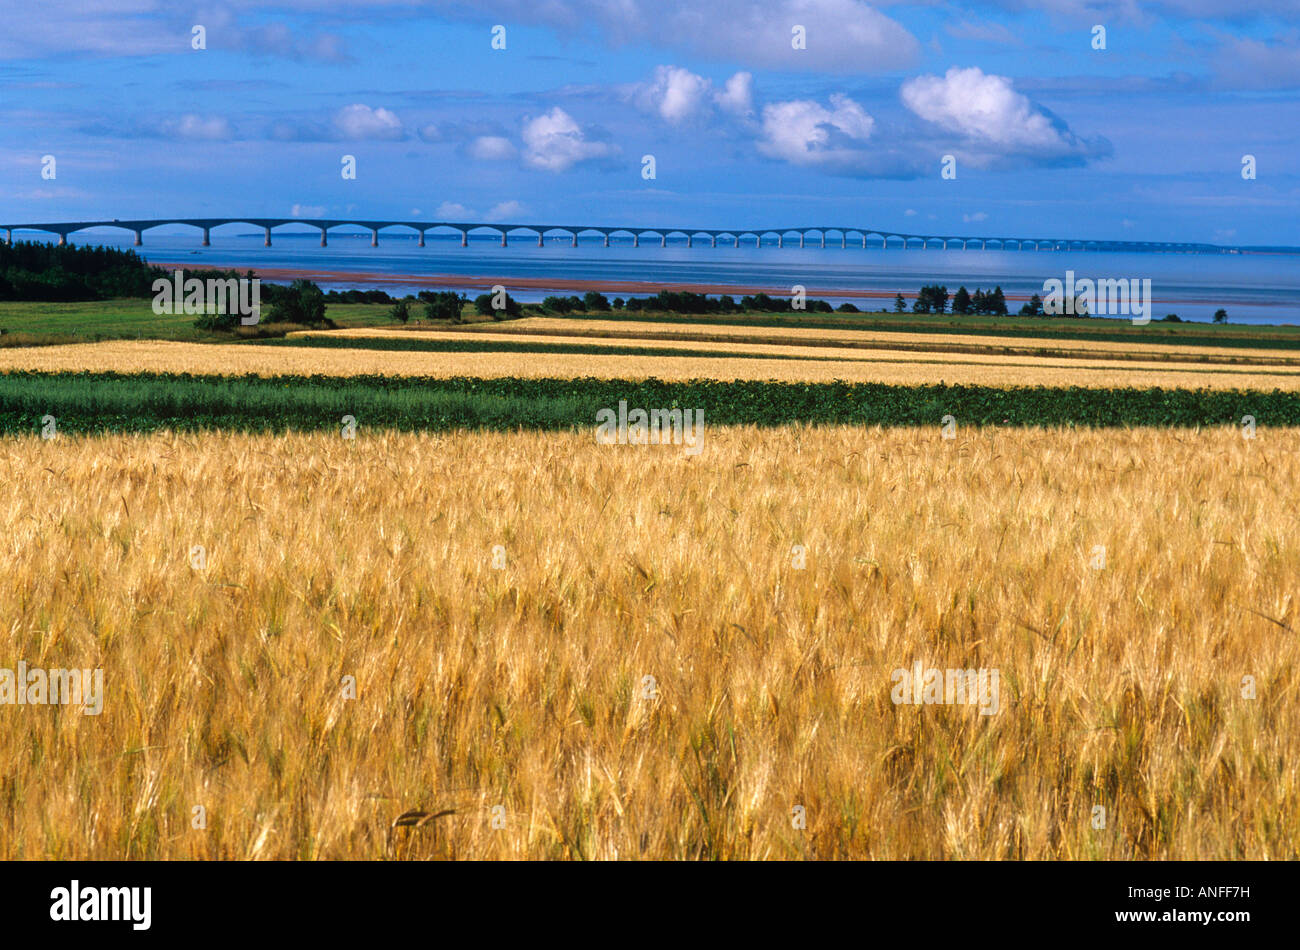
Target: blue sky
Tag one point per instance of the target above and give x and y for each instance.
(1141, 140)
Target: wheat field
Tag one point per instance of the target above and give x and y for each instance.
(898, 367)
(563, 649)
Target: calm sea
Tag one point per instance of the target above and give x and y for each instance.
(1253, 288)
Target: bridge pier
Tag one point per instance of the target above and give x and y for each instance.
(636, 239)
(736, 240)
(267, 241)
(715, 240)
(374, 237)
(575, 239)
(780, 240)
(9, 236)
(607, 240)
(207, 239)
(844, 240)
(139, 238)
(758, 240)
(324, 242)
(864, 242)
(801, 237)
(884, 243)
(503, 239)
(688, 240)
(421, 244)
(663, 240)
(63, 239)
(540, 241)
(464, 239)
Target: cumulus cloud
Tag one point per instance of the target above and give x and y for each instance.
(359, 121)
(491, 148)
(675, 94)
(554, 142)
(453, 211)
(197, 128)
(308, 211)
(977, 216)
(805, 132)
(679, 96)
(992, 117)
(504, 210)
(737, 95)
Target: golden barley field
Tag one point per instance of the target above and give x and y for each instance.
(667, 656)
(900, 367)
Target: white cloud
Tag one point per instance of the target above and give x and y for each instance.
(308, 211)
(554, 142)
(804, 132)
(198, 128)
(676, 95)
(679, 96)
(988, 112)
(492, 148)
(359, 121)
(452, 211)
(977, 216)
(504, 210)
(737, 95)
(910, 212)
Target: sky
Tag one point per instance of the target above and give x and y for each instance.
(1107, 119)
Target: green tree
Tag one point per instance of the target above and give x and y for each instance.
(595, 301)
(301, 303)
(443, 305)
(900, 305)
(401, 311)
(1220, 316)
(961, 302)
(485, 305)
(1034, 308)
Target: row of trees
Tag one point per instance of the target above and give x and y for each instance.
(303, 302)
(933, 298)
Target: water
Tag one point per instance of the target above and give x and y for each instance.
(1253, 288)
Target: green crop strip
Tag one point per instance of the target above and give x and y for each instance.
(116, 402)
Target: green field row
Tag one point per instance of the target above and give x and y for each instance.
(114, 402)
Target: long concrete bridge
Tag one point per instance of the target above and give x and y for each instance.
(758, 236)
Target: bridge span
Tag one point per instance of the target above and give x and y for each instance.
(778, 236)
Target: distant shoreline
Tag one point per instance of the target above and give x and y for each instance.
(618, 287)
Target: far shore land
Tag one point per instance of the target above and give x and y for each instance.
(609, 287)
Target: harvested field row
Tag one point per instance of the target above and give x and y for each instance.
(1132, 341)
(130, 356)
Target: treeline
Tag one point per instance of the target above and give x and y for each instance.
(32, 270)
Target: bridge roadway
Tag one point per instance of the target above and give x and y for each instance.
(421, 228)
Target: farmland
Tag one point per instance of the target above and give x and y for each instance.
(547, 348)
(520, 690)
(466, 629)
